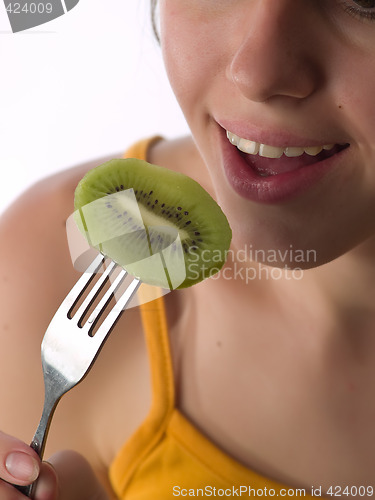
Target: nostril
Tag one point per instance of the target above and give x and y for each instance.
(265, 66)
(261, 84)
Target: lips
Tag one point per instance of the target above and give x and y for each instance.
(272, 180)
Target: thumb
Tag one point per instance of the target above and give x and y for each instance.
(75, 477)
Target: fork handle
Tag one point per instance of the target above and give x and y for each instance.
(40, 437)
(29, 489)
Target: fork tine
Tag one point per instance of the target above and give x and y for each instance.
(114, 314)
(94, 292)
(99, 309)
(83, 282)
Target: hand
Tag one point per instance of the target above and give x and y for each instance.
(75, 479)
(67, 475)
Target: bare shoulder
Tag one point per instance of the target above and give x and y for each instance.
(36, 272)
(34, 248)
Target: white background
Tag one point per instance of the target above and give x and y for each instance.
(82, 86)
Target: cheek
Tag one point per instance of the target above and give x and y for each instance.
(190, 48)
(179, 43)
(352, 78)
(356, 106)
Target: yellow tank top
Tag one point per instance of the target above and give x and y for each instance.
(167, 456)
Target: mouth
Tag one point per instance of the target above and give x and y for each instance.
(279, 172)
(267, 160)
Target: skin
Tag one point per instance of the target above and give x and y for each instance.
(277, 73)
(301, 347)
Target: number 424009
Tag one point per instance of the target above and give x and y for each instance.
(349, 491)
(29, 8)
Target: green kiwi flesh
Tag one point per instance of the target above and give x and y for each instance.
(148, 218)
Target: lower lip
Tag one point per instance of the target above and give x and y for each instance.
(274, 188)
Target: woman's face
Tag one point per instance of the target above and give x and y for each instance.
(285, 79)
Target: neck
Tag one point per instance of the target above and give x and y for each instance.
(334, 301)
(348, 283)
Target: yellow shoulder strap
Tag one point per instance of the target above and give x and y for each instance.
(141, 148)
(162, 380)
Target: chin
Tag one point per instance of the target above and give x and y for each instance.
(282, 249)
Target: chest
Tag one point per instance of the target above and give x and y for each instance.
(279, 407)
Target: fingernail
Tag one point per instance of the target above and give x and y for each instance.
(22, 466)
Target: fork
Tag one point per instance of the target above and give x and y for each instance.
(69, 347)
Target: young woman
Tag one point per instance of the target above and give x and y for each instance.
(259, 382)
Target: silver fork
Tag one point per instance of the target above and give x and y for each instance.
(69, 349)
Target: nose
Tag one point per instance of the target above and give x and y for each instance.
(275, 53)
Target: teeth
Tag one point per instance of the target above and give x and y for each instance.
(294, 151)
(253, 148)
(249, 147)
(314, 150)
(270, 151)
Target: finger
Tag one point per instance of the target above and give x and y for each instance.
(9, 492)
(47, 485)
(19, 463)
(76, 479)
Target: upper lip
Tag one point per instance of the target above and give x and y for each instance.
(273, 137)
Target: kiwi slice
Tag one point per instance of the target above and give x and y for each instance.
(160, 225)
